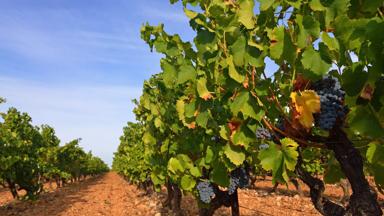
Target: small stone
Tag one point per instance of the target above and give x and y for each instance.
(152, 204)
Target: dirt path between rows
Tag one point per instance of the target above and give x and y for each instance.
(108, 194)
(111, 195)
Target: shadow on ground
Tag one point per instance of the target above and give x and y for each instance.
(57, 201)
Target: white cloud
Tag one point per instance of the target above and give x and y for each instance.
(64, 38)
(95, 113)
(162, 14)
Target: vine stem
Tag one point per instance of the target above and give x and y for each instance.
(300, 141)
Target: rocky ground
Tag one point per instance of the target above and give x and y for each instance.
(110, 194)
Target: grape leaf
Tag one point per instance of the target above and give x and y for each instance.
(202, 89)
(312, 61)
(187, 183)
(363, 121)
(246, 13)
(306, 103)
(233, 73)
(234, 154)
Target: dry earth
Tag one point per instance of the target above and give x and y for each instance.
(111, 195)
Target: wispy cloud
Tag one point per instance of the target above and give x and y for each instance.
(95, 113)
(28, 35)
(64, 62)
(164, 14)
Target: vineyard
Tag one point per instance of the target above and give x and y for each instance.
(215, 128)
(30, 156)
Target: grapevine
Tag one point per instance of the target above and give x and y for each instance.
(215, 107)
(32, 154)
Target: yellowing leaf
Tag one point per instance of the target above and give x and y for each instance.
(306, 103)
(202, 89)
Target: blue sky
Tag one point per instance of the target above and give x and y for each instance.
(76, 65)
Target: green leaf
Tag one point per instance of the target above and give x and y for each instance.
(224, 131)
(156, 180)
(316, 5)
(272, 159)
(266, 4)
(375, 153)
(234, 154)
(190, 109)
(209, 156)
(243, 137)
(187, 183)
(240, 101)
(254, 57)
(333, 173)
(336, 8)
(169, 73)
(233, 73)
(219, 175)
(312, 61)
(148, 138)
(247, 105)
(238, 50)
(160, 45)
(195, 172)
(190, 14)
(180, 108)
(362, 121)
(280, 160)
(187, 72)
(158, 122)
(311, 25)
(185, 161)
(277, 42)
(289, 148)
(175, 166)
(205, 41)
(353, 79)
(331, 42)
(281, 47)
(246, 13)
(202, 119)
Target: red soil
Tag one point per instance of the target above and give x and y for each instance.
(111, 195)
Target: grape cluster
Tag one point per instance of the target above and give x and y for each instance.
(332, 102)
(262, 133)
(206, 191)
(238, 179)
